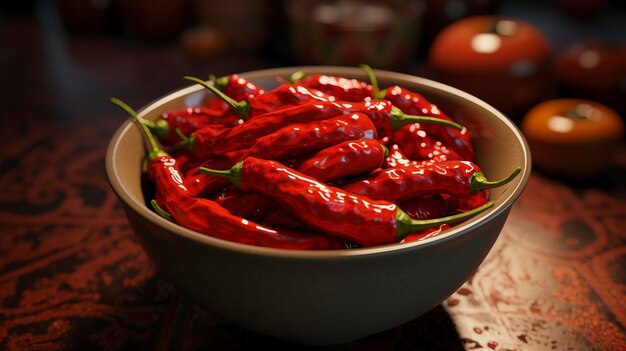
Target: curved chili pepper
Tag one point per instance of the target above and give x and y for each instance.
(169, 125)
(207, 217)
(299, 139)
(414, 103)
(345, 89)
(458, 178)
(346, 159)
(206, 142)
(284, 96)
(352, 217)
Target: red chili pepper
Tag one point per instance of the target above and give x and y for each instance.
(426, 233)
(352, 217)
(238, 87)
(282, 97)
(299, 139)
(248, 205)
(456, 204)
(457, 178)
(207, 143)
(416, 144)
(350, 158)
(207, 217)
(415, 104)
(344, 89)
(396, 158)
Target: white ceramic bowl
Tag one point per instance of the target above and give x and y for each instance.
(324, 297)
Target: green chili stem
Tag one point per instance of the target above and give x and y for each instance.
(241, 108)
(385, 150)
(155, 149)
(160, 211)
(399, 119)
(296, 76)
(233, 174)
(372, 78)
(479, 182)
(221, 83)
(406, 225)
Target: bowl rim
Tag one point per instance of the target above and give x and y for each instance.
(455, 232)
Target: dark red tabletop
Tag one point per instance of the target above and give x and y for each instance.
(72, 276)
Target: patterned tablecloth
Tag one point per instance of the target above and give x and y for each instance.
(72, 275)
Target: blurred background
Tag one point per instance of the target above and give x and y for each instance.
(559, 48)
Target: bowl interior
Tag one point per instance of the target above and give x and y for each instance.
(500, 148)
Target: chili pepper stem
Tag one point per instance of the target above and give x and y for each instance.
(160, 210)
(233, 174)
(373, 81)
(479, 182)
(406, 225)
(220, 83)
(399, 119)
(155, 151)
(241, 108)
(296, 76)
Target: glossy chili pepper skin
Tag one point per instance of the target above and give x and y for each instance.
(350, 158)
(284, 96)
(426, 233)
(402, 183)
(332, 210)
(209, 218)
(240, 88)
(415, 104)
(416, 144)
(345, 89)
(209, 143)
(397, 158)
(299, 139)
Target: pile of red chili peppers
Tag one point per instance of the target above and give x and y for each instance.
(321, 162)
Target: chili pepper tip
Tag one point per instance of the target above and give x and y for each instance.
(479, 182)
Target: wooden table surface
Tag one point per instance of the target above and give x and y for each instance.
(72, 276)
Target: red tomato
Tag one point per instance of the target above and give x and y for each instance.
(572, 138)
(504, 61)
